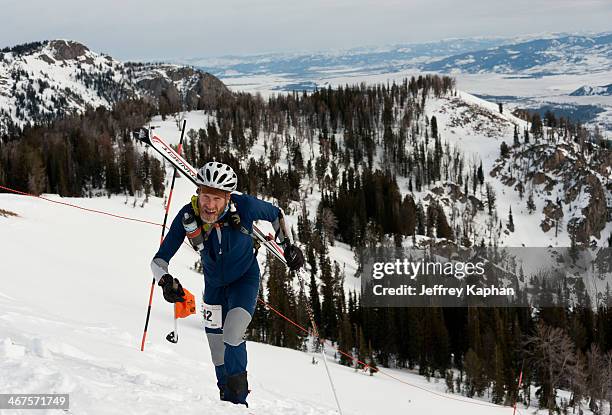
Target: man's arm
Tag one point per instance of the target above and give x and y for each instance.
(258, 209)
(172, 242)
(280, 229)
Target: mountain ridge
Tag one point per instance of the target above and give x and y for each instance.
(40, 81)
(441, 56)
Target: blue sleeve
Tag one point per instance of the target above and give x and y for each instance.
(174, 238)
(257, 209)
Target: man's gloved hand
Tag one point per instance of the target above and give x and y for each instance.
(173, 291)
(234, 220)
(293, 256)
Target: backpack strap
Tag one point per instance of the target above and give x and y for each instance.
(207, 227)
(194, 206)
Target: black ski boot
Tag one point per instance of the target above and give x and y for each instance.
(237, 389)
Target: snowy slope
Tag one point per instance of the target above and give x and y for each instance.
(72, 314)
(56, 77)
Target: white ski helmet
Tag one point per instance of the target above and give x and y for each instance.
(218, 176)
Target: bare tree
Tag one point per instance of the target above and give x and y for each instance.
(329, 223)
(551, 353)
(178, 119)
(579, 380)
(491, 198)
(599, 377)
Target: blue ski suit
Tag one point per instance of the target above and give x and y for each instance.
(231, 280)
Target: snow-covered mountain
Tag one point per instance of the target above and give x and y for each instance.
(56, 77)
(536, 71)
(553, 169)
(593, 90)
(43, 80)
(571, 188)
(536, 58)
(375, 60)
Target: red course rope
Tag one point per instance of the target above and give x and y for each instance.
(79, 207)
(366, 366)
(350, 356)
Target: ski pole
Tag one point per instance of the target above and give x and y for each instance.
(518, 389)
(144, 334)
(172, 337)
(315, 332)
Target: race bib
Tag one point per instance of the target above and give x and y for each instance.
(212, 316)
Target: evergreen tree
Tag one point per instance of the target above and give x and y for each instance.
(480, 174)
(282, 298)
(516, 136)
(475, 380)
(537, 127)
(443, 229)
(448, 378)
(434, 127)
(328, 309)
(346, 342)
(504, 150)
(531, 206)
(510, 220)
(499, 390)
(315, 303)
(258, 329)
(420, 220)
(362, 350)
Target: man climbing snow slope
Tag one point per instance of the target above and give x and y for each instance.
(219, 223)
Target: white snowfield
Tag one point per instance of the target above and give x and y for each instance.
(73, 299)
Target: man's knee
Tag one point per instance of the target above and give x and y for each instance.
(236, 323)
(217, 348)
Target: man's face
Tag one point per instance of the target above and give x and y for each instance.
(212, 204)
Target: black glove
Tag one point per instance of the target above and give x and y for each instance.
(173, 291)
(293, 256)
(234, 220)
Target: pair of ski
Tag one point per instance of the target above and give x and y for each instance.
(181, 165)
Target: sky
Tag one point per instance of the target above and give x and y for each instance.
(175, 29)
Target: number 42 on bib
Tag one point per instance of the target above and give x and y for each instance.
(212, 316)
